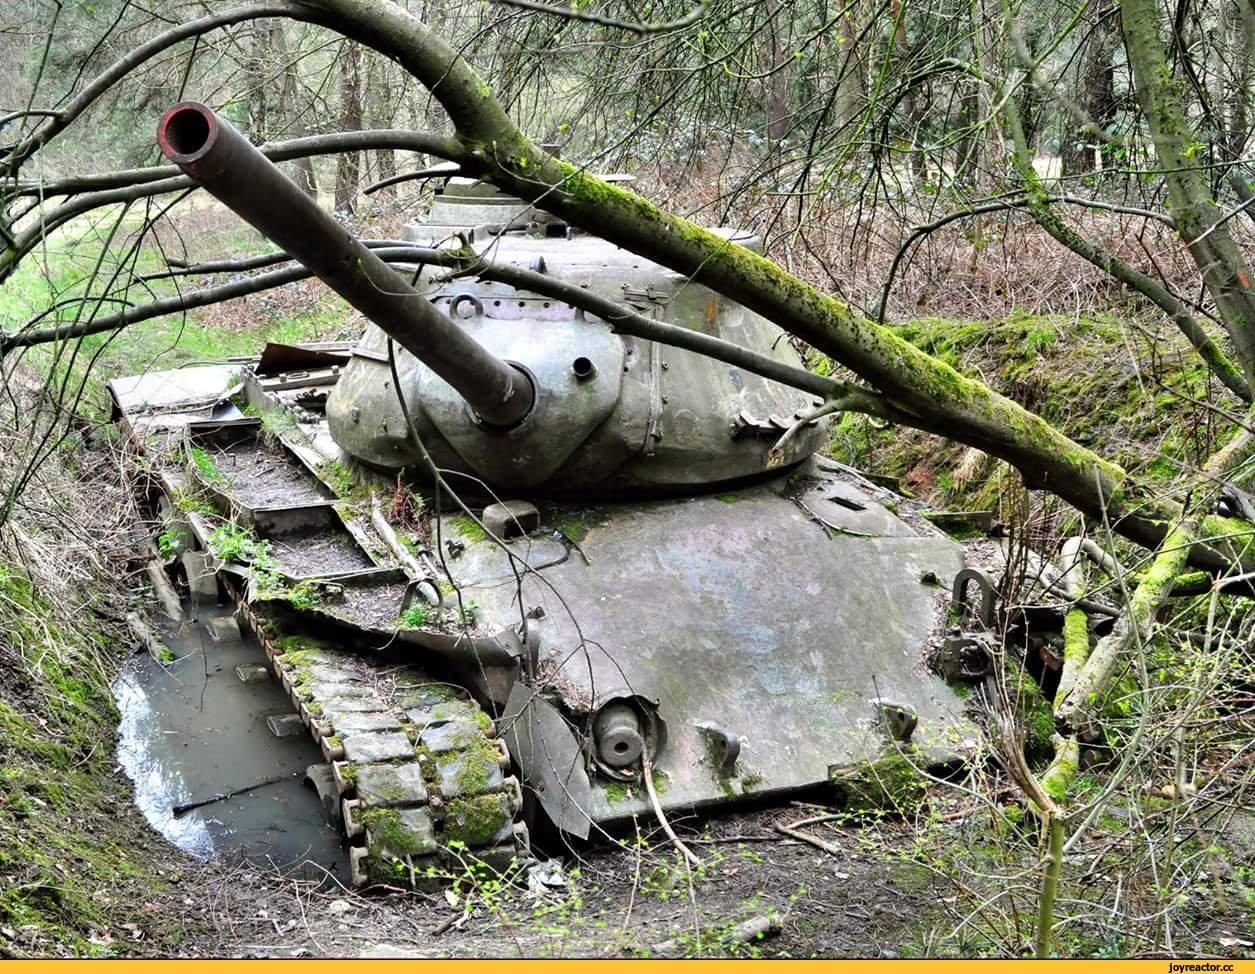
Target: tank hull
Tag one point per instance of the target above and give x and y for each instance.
(762, 633)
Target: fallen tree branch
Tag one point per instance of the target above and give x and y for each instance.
(182, 809)
(794, 831)
(1132, 628)
(587, 16)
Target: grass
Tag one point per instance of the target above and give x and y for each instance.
(204, 335)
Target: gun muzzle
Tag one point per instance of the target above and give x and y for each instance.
(216, 156)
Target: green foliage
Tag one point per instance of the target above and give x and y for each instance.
(188, 502)
(415, 617)
(233, 543)
(205, 465)
(304, 595)
(170, 543)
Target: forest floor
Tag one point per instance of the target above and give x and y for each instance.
(81, 873)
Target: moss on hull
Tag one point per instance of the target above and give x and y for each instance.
(891, 783)
(477, 820)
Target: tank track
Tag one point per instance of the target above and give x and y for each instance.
(418, 778)
(422, 781)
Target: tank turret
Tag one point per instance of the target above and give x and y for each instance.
(521, 390)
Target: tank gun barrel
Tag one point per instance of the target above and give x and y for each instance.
(216, 156)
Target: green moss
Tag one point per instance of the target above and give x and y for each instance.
(389, 835)
(576, 526)
(1062, 771)
(300, 647)
(1075, 637)
(751, 781)
(890, 783)
(430, 695)
(1033, 714)
(470, 530)
(617, 793)
(474, 768)
(476, 820)
(728, 498)
(954, 524)
(1096, 384)
(63, 872)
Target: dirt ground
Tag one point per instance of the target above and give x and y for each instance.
(613, 902)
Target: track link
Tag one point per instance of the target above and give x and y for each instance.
(422, 779)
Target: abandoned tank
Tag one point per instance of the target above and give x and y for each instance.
(519, 568)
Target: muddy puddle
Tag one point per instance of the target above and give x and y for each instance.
(191, 730)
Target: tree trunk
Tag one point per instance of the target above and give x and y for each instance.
(1239, 37)
(257, 66)
(1095, 95)
(348, 164)
(1198, 219)
(381, 113)
(852, 65)
(303, 169)
(780, 82)
(912, 107)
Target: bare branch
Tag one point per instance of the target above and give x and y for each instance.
(635, 27)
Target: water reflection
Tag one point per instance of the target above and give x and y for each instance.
(191, 730)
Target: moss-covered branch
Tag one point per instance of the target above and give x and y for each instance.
(926, 392)
(1132, 629)
(1039, 205)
